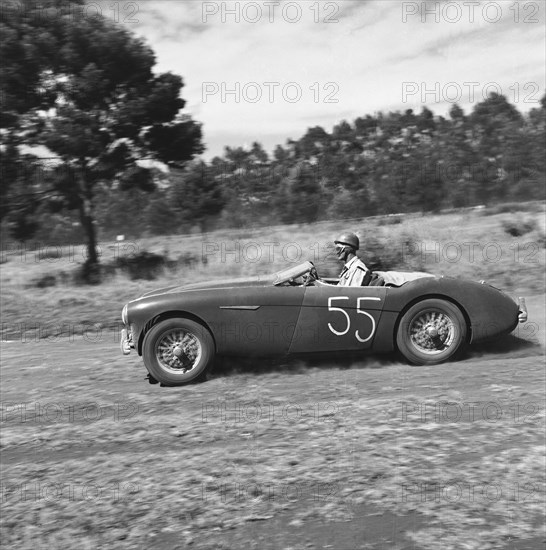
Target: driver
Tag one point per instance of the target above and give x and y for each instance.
(355, 271)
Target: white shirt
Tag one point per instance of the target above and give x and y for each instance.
(353, 273)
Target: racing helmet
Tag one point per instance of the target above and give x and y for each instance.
(348, 239)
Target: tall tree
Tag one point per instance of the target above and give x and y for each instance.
(91, 97)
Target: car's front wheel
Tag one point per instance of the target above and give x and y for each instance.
(431, 331)
(177, 351)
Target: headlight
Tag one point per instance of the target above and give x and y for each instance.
(124, 314)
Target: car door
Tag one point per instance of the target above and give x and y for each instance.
(334, 318)
(255, 321)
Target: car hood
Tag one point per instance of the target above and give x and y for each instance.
(207, 285)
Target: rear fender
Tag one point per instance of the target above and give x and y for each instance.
(436, 297)
(385, 339)
(487, 311)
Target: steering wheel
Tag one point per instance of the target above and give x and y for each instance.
(310, 277)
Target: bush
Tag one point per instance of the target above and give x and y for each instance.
(144, 265)
(50, 253)
(46, 281)
(517, 228)
(380, 256)
(390, 220)
(188, 259)
(88, 274)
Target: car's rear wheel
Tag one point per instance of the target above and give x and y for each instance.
(178, 351)
(431, 331)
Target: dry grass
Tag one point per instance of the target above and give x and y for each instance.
(465, 244)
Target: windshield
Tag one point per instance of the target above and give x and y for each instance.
(293, 272)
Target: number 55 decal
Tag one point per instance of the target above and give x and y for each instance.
(348, 319)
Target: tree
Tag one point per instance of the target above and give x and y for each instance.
(456, 113)
(196, 194)
(299, 195)
(314, 142)
(425, 121)
(23, 50)
(19, 207)
(496, 124)
(109, 117)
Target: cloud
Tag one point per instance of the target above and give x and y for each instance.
(345, 59)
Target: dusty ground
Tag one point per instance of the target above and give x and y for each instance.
(330, 453)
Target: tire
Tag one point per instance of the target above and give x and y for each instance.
(178, 351)
(431, 332)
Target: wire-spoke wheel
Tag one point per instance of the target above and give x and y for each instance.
(177, 351)
(431, 332)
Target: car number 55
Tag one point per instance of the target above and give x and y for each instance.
(347, 323)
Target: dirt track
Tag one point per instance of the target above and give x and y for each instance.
(331, 453)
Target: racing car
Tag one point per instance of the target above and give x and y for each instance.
(427, 319)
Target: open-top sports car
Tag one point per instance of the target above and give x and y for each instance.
(429, 320)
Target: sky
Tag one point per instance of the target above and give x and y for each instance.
(266, 71)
